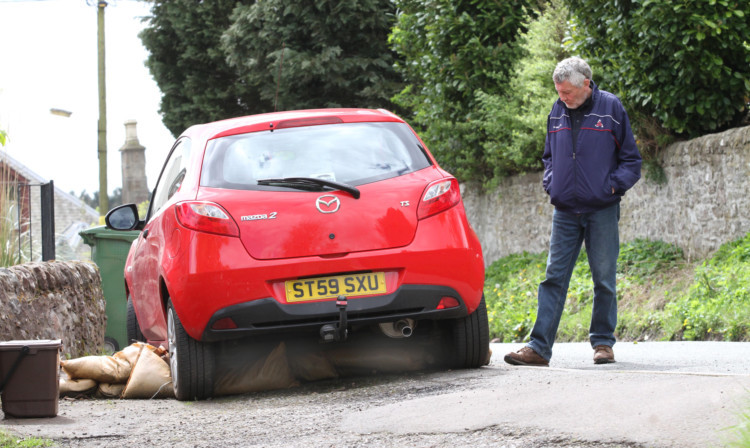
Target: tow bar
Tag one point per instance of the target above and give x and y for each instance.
(336, 332)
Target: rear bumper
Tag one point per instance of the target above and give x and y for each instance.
(269, 316)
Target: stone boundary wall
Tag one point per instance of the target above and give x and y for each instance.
(703, 203)
(54, 300)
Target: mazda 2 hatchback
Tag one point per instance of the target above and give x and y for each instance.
(319, 223)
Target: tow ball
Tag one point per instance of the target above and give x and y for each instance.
(336, 332)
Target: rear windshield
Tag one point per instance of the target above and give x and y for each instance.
(351, 153)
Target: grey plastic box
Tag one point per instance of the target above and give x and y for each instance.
(32, 389)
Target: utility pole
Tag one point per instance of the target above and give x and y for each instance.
(102, 124)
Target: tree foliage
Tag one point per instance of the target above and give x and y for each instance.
(219, 59)
(514, 122)
(452, 49)
(197, 84)
(318, 53)
(684, 62)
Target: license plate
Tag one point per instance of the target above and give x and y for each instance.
(330, 287)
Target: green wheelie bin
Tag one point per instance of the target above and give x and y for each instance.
(109, 250)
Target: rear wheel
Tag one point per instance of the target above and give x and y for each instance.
(191, 362)
(133, 328)
(471, 339)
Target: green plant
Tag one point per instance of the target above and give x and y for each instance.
(510, 293)
(642, 258)
(685, 62)
(708, 302)
(739, 435)
(515, 121)
(13, 241)
(450, 50)
(717, 305)
(9, 441)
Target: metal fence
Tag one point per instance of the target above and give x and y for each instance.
(30, 210)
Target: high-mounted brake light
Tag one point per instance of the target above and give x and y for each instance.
(311, 121)
(439, 196)
(206, 217)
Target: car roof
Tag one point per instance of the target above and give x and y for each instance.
(261, 122)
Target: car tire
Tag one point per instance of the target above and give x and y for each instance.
(191, 362)
(471, 339)
(131, 323)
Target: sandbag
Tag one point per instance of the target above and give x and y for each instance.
(312, 366)
(103, 369)
(106, 390)
(75, 388)
(267, 373)
(150, 377)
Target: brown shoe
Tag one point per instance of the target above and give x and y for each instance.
(526, 357)
(603, 354)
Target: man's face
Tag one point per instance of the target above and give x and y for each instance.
(573, 96)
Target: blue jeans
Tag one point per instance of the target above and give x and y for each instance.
(600, 231)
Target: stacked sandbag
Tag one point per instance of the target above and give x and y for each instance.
(137, 371)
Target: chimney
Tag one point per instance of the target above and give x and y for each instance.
(133, 156)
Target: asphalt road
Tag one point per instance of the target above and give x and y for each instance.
(677, 394)
(658, 395)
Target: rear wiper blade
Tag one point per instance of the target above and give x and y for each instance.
(305, 183)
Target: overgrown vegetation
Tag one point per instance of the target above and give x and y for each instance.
(14, 243)
(685, 63)
(660, 295)
(449, 51)
(473, 76)
(515, 121)
(228, 58)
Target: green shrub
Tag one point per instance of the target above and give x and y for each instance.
(515, 122)
(686, 63)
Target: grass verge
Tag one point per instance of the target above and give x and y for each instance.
(10, 441)
(660, 295)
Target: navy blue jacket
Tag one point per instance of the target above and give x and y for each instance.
(579, 176)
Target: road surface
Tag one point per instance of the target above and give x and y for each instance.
(658, 395)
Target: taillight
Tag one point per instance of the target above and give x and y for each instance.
(206, 217)
(447, 302)
(224, 324)
(439, 196)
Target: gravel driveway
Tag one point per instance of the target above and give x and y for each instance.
(657, 395)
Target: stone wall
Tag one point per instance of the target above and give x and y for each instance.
(703, 203)
(54, 300)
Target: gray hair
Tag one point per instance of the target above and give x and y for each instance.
(572, 69)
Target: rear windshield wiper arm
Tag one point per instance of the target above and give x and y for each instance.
(304, 183)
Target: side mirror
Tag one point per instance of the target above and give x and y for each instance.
(124, 217)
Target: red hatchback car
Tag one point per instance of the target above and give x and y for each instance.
(319, 222)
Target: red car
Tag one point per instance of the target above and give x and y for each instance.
(319, 221)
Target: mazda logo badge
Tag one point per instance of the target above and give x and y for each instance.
(327, 204)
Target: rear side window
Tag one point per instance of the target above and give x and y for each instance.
(352, 153)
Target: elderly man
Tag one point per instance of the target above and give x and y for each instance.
(591, 160)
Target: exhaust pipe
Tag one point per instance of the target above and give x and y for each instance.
(402, 328)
